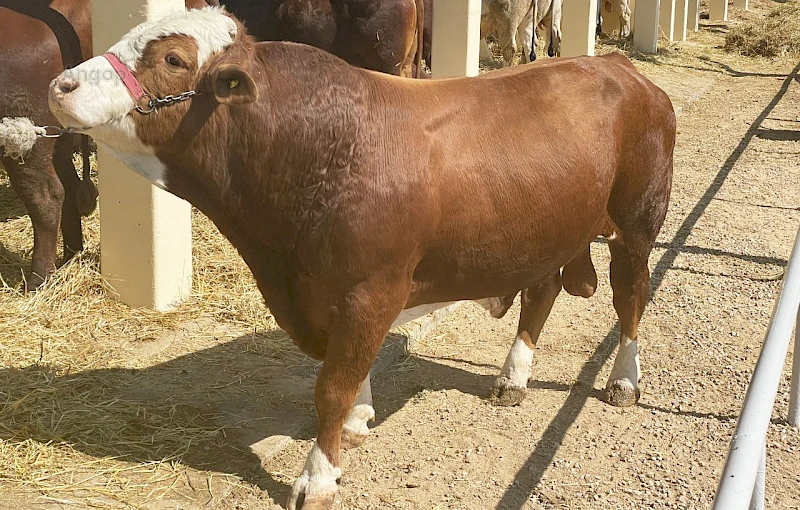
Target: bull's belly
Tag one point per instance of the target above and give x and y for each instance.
(445, 288)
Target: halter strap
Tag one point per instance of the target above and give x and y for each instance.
(126, 76)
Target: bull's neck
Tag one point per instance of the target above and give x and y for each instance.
(276, 166)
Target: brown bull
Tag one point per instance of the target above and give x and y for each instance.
(354, 195)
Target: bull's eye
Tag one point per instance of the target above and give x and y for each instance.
(173, 60)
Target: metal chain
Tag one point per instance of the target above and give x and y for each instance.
(168, 100)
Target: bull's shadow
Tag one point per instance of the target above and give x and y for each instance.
(204, 408)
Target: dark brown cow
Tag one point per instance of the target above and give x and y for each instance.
(373, 34)
(307, 170)
(39, 39)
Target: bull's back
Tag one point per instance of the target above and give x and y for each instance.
(523, 163)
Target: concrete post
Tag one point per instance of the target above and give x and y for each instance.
(455, 38)
(145, 233)
(693, 16)
(740, 4)
(645, 33)
(666, 19)
(578, 27)
(681, 19)
(718, 10)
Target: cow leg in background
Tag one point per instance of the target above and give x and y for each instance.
(506, 33)
(70, 218)
(38, 187)
(355, 429)
(511, 386)
(526, 37)
(553, 24)
(624, 12)
(363, 319)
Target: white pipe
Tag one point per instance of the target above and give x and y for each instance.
(794, 401)
(759, 489)
(739, 477)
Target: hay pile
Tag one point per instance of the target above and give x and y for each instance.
(69, 431)
(775, 35)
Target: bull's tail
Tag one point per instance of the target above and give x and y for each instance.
(420, 4)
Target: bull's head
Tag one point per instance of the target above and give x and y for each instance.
(119, 98)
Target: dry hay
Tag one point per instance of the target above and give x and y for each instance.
(775, 35)
(67, 431)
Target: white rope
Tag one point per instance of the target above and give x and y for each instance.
(17, 136)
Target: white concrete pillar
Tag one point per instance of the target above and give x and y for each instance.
(578, 27)
(632, 7)
(740, 4)
(666, 20)
(718, 10)
(145, 233)
(645, 33)
(681, 19)
(693, 16)
(455, 38)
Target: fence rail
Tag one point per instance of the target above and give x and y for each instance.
(742, 483)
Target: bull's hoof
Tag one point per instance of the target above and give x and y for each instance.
(352, 439)
(32, 283)
(316, 503)
(507, 396)
(621, 394)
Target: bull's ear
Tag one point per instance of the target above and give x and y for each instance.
(233, 85)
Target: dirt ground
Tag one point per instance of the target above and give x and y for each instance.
(120, 409)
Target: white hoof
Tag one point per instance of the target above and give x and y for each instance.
(315, 488)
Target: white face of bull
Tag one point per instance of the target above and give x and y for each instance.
(92, 96)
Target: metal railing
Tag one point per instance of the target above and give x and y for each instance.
(742, 483)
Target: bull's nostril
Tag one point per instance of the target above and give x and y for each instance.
(66, 85)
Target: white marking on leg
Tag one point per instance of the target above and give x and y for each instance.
(517, 368)
(362, 411)
(318, 479)
(626, 371)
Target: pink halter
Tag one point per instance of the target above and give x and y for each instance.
(126, 76)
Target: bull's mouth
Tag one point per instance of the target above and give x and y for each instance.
(55, 103)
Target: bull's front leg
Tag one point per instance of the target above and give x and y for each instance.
(357, 332)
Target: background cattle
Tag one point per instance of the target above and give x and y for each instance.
(516, 23)
(306, 170)
(38, 40)
(374, 34)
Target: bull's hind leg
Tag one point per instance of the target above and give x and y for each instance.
(630, 280)
(511, 386)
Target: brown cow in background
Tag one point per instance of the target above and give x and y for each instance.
(374, 34)
(39, 39)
